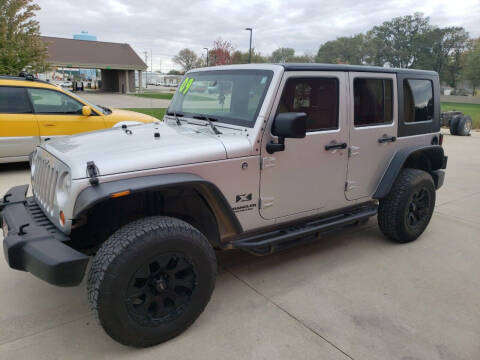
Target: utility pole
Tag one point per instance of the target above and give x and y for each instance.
(207, 54)
(151, 63)
(146, 73)
(250, 49)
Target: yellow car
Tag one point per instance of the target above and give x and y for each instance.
(32, 111)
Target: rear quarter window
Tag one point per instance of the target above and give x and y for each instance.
(13, 100)
(418, 100)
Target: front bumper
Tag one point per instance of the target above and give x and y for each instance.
(35, 245)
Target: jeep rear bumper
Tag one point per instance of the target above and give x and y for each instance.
(34, 244)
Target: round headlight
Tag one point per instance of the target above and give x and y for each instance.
(66, 181)
(63, 187)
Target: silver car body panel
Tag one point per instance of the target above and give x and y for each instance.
(140, 149)
(305, 179)
(12, 147)
(369, 158)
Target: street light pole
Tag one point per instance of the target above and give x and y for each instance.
(250, 49)
(207, 54)
(146, 72)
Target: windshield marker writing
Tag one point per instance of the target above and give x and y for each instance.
(183, 85)
(190, 82)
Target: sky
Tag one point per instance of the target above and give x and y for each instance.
(163, 28)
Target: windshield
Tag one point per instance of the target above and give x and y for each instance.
(96, 107)
(229, 96)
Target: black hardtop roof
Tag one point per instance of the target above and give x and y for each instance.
(359, 68)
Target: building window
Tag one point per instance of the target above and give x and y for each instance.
(373, 101)
(317, 97)
(417, 100)
(13, 100)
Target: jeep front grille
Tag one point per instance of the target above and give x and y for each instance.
(44, 183)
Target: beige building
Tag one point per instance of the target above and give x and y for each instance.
(117, 62)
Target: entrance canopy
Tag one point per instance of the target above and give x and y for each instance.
(91, 54)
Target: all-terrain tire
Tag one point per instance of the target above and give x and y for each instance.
(453, 124)
(151, 280)
(464, 125)
(405, 213)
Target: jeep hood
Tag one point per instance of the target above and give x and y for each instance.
(135, 148)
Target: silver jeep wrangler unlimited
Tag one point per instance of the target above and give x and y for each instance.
(275, 156)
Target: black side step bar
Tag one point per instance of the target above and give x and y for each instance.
(267, 243)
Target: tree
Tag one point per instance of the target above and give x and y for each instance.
(343, 50)
(239, 57)
(305, 58)
(398, 41)
(186, 58)
(472, 65)
(21, 47)
(440, 45)
(221, 53)
(174, 72)
(283, 55)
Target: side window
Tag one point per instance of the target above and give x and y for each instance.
(317, 97)
(373, 101)
(417, 100)
(53, 102)
(13, 100)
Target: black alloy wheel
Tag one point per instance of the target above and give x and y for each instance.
(418, 210)
(161, 289)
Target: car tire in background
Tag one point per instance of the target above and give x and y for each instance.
(464, 125)
(453, 124)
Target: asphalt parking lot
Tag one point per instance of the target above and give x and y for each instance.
(351, 295)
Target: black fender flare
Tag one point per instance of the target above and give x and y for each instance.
(433, 152)
(228, 224)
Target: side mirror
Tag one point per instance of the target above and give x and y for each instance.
(287, 125)
(86, 111)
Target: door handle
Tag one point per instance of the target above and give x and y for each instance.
(49, 124)
(385, 139)
(335, 146)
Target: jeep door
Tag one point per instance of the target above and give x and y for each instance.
(19, 132)
(373, 131)
(307, 178)
(60, 114)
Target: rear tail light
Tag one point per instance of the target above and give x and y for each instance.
(440, 141)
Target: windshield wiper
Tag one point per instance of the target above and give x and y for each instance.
(210, 122)
(175, 115)
(107, 110)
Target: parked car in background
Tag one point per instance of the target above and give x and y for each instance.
(32, 111)
(66, 83)
(458, 123)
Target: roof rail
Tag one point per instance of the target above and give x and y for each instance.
(23, 76)
(27, 76)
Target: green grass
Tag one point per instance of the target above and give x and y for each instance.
(155, 112)
(165, 96)
(473, 110)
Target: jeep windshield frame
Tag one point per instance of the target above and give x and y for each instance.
(232, 97)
